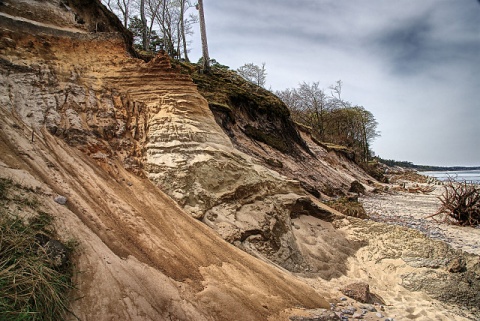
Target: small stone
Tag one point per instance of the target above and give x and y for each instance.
(350, 310)
(379, 315)
(62, 200)
(357, 315)
(343, 298)
(371, 308)
(456, 265)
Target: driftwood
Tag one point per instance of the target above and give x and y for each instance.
(460, 203)
(421, 189)
(416, 189)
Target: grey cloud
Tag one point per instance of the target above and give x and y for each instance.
(408, 46)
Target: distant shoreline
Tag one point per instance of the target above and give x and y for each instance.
(471, 176)
(425, 168)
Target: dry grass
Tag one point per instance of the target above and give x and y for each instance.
(32, 285)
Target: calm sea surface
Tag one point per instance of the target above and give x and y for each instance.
(460, 176)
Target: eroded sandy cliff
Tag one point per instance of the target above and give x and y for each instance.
(96, 112)
(157, 189)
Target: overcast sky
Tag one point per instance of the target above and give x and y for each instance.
(415, 64)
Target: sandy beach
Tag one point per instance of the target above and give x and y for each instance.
(412, 209)
(392, 277)
(405, 258)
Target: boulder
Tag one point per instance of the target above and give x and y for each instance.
(358, 291)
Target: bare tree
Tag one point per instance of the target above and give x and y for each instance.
(181, 29)
(254, 73)
(162, 22)
(331, 118)
(143, 19)
(336, 95)
(314, 101)
(120, 5)
(292, 99)
(186, 24)
(203, 34)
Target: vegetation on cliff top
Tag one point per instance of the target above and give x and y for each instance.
(222, 87)
(229, 93)
(332, 119)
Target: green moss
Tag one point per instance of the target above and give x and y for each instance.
(225, 87)
(268, 118)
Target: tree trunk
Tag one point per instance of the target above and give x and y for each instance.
(182, 27)
(144, 25)
(203, 33)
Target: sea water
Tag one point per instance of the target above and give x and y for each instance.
(471, 176)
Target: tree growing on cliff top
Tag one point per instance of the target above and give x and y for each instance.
(331, 118)
(203, 34)
(254, 73)
(137, 28)
(166, 18)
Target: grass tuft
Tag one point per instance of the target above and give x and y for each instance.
(33, 286)
(5, 184)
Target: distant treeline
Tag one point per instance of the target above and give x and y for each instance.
(423, 168)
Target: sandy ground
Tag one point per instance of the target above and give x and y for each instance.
(411, 210)
(396, 259)
(384, 273)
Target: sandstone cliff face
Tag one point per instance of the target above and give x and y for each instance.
(84, 88)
